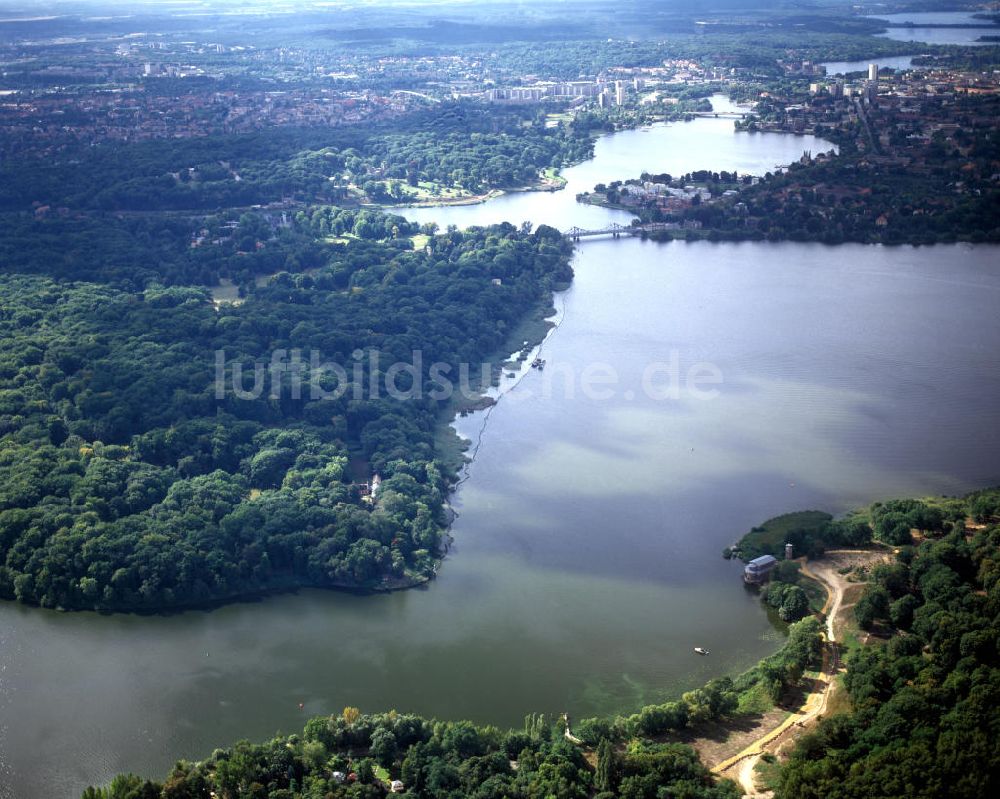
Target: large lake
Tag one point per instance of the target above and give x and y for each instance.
(678, 148)
(916, 29)
(897, 62)
(587, 558)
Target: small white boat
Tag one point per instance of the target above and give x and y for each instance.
(700, 650)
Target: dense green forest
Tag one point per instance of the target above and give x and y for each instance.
(128, 482)
(925, 690)
(130, 251)
(456, 144)
(355, 756)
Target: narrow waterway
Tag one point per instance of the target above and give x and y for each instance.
(674, 148)
(587, 562)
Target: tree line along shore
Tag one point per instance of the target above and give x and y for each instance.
(916, 704)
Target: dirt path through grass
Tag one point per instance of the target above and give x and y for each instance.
(827, 572)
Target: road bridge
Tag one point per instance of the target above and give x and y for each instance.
(616, 231)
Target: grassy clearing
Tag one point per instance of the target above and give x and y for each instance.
(770, 537)
(767, 772)
(839, 701)
(755, 700)
(449, 446)
(552, 120)
(424, 192)
(815, 593)
(533, 328)
(849, 633)
(226, 292)
(552, 177)
(431, 190)
(850, 642)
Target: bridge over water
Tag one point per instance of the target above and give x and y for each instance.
(616, 231)
(721, 114)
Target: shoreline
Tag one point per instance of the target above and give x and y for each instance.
(532, 330)
(555, 182)
(731, 742)
(246, 597)
(731, 236)
(530, 334)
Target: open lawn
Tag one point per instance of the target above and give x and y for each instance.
(770, 537)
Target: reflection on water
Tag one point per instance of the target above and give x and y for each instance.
(675, 148)
(914, 33)
(847, 67)
(587, 558)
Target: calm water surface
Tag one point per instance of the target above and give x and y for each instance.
(916, 33)
(846, 67)
(587, 558)
(676, 148)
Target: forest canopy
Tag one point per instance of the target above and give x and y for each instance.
(127, 482)
(925, 691)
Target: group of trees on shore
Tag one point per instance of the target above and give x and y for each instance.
(925, 691)
(891, 523)
(460, 145)
(926, 187)
(922, 721)
(356, 756)
(128, 481)
(720, 699)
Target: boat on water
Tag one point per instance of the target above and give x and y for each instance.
(538, 363)
(701, 650)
